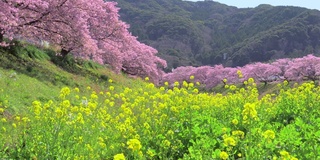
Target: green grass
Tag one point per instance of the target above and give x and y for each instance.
(28, 73)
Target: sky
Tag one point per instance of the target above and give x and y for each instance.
(311, 4)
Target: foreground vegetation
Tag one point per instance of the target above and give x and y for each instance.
(53, 108)
(163, 123)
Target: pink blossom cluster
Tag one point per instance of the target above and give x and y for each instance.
(298, 69)
(88, 29)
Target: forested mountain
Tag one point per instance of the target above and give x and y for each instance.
(209, 33)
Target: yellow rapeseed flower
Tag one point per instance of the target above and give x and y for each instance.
(134, 144)
(166, 143)
(64, 92)
(25, 119)
(59, 112)
(36, 107)
(225, 80)
(174, 109)
(151, 152)
(224, 155)
(233, 87)
(229, 141)
(80, 118)
(170, 132)
(239, 74)
(185, 84)
(195, 90)
(66, 104)
(17, 118)
(48, 104)
(146, 125)
(88, 147)
(3, 120)
(102, 145)
(250, 80)
(224, 129)
(235, 121)
(94, 96)
(249, 111)
(269, 134)
(76, 89)
(150, 85)
(238, 133)
(92, 105)
(284, 154)
(75, 109)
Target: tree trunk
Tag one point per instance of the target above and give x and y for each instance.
(1, 35)
(265, 83)
(64, 52)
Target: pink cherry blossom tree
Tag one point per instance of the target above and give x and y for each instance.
(262, 72)
(215, 76)
(201, 73)
(179, 74)
(88, 29)
(141, 60)
(61, 22)
(231, 75)
(8, 19)
(305, 68)
(283, 65)
(111, 34)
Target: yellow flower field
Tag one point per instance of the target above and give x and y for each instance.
(167, 123)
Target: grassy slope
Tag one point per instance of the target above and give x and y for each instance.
(28, 73)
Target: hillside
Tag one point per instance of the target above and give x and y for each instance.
(29, 73)
(208, 33)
